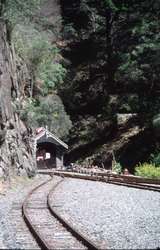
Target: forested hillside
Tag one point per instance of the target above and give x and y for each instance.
(112, 87)
(87, 69)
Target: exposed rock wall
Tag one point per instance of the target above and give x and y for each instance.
(16, 146)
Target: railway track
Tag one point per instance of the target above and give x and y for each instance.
(129, 181)
(49, 229)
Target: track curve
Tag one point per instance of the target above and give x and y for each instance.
(73, 230)
(48, 228)
(128, 181)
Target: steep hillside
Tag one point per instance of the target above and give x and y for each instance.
(111, 53)
(89, 70)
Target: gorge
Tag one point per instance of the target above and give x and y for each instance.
(87, 69)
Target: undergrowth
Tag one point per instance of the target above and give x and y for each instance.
(148, 170)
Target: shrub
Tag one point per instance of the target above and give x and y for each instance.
(155, 159)
(52, 75)
(147, 170)
(18, 11)
(49, 111)
(42, 58)
(117, 167)
(33, 46)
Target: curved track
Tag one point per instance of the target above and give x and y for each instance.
(129, 181)
(49, 229)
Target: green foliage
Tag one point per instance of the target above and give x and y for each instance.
(117, 167)
(41, 57)
(130, 31)
(30, 44)
(43, 61)
(140, 65)
(49, 111)
(117, 5)
(69, 31)
(110, 4)
(155, 159)
(52, 74)
(147, 170)
(16, 11)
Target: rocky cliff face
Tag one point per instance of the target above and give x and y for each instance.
(16, 147)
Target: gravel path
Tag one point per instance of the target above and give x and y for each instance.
(13, 231)
(113, 216)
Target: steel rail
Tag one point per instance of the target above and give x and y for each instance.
(88, 243)
(111, 180)
(39, 238)
(42, 242)
(135, 185)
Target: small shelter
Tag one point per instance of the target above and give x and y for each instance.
(49, 149)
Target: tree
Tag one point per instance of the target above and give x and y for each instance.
(14, 11)
(49, 111)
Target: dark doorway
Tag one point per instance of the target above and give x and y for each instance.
(46, 155)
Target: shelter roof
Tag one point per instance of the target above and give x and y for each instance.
(43, 135)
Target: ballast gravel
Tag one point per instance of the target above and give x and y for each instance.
(13, 231)
(112, 216)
